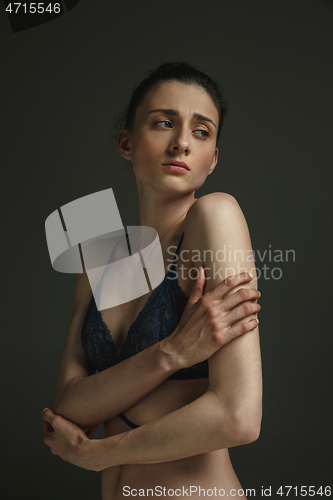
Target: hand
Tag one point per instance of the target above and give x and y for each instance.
(211, 320)
(69, 441)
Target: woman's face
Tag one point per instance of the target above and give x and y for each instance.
(175, 123)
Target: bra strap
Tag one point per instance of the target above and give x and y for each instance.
(127, 421)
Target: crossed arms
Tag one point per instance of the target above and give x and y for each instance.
(228, 414)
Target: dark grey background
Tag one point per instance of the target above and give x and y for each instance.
(62, 85)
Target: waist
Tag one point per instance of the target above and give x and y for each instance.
(212, 469)
(206, 471)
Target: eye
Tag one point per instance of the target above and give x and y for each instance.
(203, 133)
(164, 123)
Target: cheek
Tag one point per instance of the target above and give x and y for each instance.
(206, 160)
(145, 150)
(143, 155)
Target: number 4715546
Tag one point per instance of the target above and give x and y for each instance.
(304, 491)
(33, 8)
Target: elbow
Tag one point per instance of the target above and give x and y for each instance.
(250, 433)
(63, 405)
(57, 406)
(60, 408)
(60, 401)
(69, 413)
(243, 427)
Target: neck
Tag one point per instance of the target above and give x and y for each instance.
(166, 214)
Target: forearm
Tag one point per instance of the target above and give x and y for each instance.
(227, 415)
(91, 400)
(200, 427)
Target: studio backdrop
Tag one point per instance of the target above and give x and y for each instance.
(65, 81)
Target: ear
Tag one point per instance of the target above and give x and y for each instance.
(124, 144)
(214, 162)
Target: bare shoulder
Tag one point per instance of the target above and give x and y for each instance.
(217, 197)
(82, 293)
(217, 236)
(213, 205)
(213, 216)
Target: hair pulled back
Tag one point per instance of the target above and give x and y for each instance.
(180, 72)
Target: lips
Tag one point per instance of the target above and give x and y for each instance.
(177, 164)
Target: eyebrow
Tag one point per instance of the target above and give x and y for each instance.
(173, 112)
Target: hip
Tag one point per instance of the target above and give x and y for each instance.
(189, 477)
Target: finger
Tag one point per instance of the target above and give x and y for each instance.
(52, 419)
(48, 439)
(240, 328)
(48, 415)
(48, 427)
(197, 287)
(229, 283)
(90, 432)
(242, 295)
(243, 310)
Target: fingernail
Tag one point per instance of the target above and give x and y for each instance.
(257, 320)
(44, 411)
(259, 293)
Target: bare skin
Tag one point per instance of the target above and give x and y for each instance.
(186, 426)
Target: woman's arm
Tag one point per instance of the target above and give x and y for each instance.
(229, 413)
(81, 395)
(88, 399)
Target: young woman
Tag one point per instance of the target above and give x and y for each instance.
(169, 421)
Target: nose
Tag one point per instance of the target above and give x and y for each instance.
(180, 142)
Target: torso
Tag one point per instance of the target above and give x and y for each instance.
(210, 470)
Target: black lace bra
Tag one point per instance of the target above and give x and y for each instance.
(156, 321)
